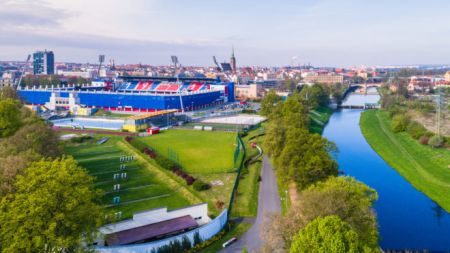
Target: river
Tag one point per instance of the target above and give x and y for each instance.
(407, 218)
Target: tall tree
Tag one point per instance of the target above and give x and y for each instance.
(269, 102)
(10, 120)
(304, 159)
(294, 113)
(38, 137)
(347, 198)
(328, 234)
(344, 197)
(54, 209)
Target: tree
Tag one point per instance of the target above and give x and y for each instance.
(275, 132)
(304, 159)
(347, 198)
(38, 137)
(314, 96)
(294, 114)
(328, 234)
(8, 93)
(186, 243)
(10, 120)
(344, 197)
(11, 166)
(54, 209)
(289, 84)
(269, 102)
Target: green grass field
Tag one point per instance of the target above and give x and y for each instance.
(141, 190)
(198, 152)
(319, 118)
(425, 168)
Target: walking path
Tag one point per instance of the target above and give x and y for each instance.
(268, 202)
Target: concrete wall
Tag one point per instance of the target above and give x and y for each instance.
(206, 232)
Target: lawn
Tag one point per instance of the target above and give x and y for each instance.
(425, 168)
(142, 189)
(198, 152)
(246, 202)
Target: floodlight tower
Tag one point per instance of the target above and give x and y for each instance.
(101, 60)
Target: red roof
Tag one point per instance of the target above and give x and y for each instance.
(151, 231)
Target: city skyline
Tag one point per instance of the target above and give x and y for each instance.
(265, 33)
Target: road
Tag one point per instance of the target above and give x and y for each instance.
(268, 202)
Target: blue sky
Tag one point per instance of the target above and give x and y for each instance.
(266, 33)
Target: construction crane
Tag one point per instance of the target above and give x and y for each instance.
(23, 71)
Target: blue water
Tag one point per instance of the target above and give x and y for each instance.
(98, 123)
(407, 218)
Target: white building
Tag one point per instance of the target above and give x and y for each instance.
(154, 224)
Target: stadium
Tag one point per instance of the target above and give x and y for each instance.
(139, 94)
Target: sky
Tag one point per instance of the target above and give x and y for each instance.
(263, 32)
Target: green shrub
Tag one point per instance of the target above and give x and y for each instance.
(200, 185)
(436, 141)
(399, 123)
(415, 130)
(81, 139)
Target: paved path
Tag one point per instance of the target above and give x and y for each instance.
(268, 202)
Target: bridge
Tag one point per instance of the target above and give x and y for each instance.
(366, 106)
(361, 102)
(364, 87)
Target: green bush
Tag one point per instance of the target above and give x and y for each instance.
(436, 141)
(399, 123)
(81, 139)
(415, 130)
(200, 185)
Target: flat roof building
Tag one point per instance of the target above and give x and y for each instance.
(44, 63)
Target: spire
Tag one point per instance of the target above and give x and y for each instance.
(232, 51)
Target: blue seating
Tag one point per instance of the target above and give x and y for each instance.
(154, 86)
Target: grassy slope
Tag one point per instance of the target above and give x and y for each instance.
(426, 168)
(198, 151)
(319, 119)
(246, 203)
(102, 161)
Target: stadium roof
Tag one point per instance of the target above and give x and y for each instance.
(151, 114)
(166, 78)
(151, 231)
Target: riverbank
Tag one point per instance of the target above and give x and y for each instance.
(425, 168)
(319, 118)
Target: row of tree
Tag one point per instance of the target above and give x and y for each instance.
(332, 214)
(50, 80)
(47, 202)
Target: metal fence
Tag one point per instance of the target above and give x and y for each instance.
(239, 158)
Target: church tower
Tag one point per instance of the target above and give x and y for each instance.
(233, 61)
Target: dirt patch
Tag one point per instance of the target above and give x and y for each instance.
(293, 194)
(429, 121)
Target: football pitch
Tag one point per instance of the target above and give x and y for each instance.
(198, 152)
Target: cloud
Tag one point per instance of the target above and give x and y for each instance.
(30, 14)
